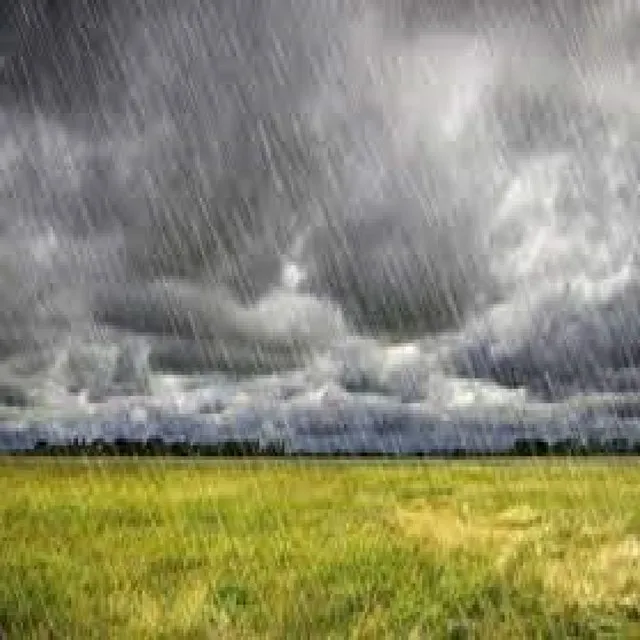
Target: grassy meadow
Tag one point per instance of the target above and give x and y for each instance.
(161, 548)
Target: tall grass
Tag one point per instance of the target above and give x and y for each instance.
(283, 549)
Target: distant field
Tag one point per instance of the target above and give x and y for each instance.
(287, 549)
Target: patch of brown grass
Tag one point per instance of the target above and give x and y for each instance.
(590, 565)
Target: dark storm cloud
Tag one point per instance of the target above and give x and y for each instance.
(206, 106)
(164, 161)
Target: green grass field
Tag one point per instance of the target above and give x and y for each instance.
(287, 549)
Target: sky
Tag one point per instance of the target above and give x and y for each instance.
(425, 203)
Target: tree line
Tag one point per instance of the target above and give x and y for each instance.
(156, 446)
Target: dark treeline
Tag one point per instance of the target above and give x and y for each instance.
(253, 448)
(157, 447)
(520, 448)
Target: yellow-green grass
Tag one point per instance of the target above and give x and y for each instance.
(288, 549)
